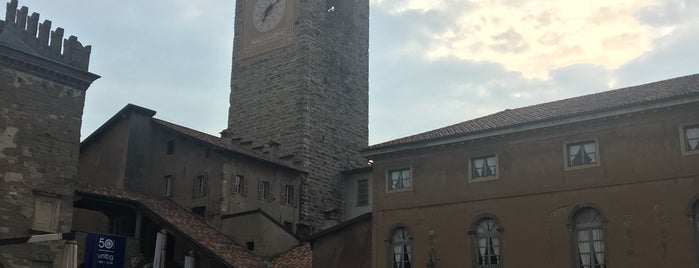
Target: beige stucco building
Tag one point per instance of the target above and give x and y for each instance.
(603, 180)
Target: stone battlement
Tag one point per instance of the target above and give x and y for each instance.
(40, 40)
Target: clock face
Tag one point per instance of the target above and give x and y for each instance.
(267, 14)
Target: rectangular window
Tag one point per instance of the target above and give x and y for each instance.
(199, 187)
(582, 153)
(170, 147)
(288, 226)
(690, 138)
(288, 195)
(200, 211)
(169, 183)
(484, 167)
(399, 179)
(239, 186)
(264, 190)
(362, 193)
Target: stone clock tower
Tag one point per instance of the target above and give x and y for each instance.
(300, 78)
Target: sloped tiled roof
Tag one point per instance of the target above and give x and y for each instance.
(672, 89)
(298, 257)
(187, 132)
(218, 142)
(206, 237)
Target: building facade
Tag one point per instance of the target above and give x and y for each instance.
(209, 176)
(300, 78)
(43, 81)
(609, 179)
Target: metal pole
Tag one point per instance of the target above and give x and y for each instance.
(189, 260)
(70, 254)
(160, 244)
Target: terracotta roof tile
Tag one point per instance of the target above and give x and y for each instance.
(666, 90)
(194, 228)
(298, 257)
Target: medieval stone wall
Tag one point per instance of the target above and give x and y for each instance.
(39, 136)
(43, 79)
(311, 96)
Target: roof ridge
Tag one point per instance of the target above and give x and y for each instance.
(663, 90)
(217, 141)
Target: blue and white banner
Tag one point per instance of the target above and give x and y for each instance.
(104, 251)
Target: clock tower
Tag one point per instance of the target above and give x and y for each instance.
(300, 79)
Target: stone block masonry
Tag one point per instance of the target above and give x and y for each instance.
(42, 93)
(310, 96)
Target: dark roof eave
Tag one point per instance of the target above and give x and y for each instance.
(223, 148)
(341, 226)
(112, 121)
(264, 214)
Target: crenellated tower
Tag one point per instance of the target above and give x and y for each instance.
(300, 78)
(43, 80)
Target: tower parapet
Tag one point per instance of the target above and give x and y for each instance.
(39, 39)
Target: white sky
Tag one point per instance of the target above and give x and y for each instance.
(432, 62)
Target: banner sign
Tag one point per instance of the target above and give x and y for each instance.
(104, 251)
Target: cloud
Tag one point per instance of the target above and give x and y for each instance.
(669, 13)
(674, 55)
(534, 37)
(411, 93)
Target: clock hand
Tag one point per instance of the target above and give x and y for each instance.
(269, 9)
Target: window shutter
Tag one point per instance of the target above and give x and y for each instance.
(297, 197)
(194, 187)
(245, 186)
(270, 197)
(234, 183)
(259, 189)
(205, 182)
(282, 194)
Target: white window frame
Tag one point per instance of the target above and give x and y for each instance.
(566, 161)
(400, 244)
(590, 236)
(487, 242)
(684, 138)
(483, 178)
(402, 189)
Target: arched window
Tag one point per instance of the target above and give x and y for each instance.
(487, 243)
(588, 233)
(401, 248)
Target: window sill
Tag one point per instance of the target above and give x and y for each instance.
(482, 179)
(569, 168)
